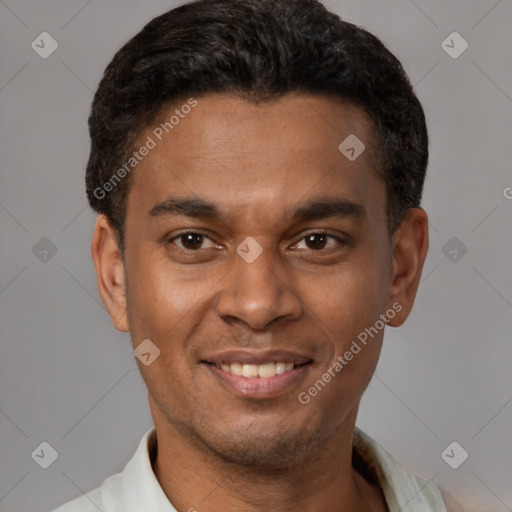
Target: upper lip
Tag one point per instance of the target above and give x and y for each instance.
(259, 357)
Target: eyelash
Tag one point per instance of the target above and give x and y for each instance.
(340, 241)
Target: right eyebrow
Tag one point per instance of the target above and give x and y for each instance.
(187, 206)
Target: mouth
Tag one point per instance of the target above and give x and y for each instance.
(258, 375)
(264, 370)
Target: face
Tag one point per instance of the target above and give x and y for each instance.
(255, 247)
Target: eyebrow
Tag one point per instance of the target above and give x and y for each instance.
(313, 210)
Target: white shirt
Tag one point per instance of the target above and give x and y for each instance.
(136, 488)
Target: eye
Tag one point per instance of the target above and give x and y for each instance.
(319, 241)
(191, 241)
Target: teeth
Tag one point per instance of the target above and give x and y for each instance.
(257, 370)
(250, 370)
(267, 370)
(280, 368)
(236, 369)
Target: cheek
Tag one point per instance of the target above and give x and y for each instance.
(347, 315)
(347, 319)
(163, 309)
(350, 299)
(168, 307)
(159, 297)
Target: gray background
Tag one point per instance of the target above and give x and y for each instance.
(68, 378)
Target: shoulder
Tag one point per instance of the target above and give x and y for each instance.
(100, 498)
(126, 491)
(86, 503)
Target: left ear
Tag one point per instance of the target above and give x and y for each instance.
(410, 246)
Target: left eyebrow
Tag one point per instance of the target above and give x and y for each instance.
(323, 209)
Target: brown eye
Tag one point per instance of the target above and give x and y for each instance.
(190, 241)
(316, 241)
(319, 241)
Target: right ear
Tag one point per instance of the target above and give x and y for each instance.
(110, 273)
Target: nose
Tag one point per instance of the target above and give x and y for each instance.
(258, 293)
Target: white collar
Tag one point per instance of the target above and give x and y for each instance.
(403, 490)
(136, 488)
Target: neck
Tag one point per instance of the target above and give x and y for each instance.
(195, 479)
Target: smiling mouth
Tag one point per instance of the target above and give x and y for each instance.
(265, 370)
(260, 375)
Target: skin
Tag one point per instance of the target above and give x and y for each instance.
(218, 450)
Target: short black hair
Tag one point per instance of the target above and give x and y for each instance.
(257, 50)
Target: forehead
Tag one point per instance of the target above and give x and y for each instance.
(254, 161)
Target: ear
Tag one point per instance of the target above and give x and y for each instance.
(110, 272)
(410, 246)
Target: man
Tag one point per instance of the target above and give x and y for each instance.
(257, 167)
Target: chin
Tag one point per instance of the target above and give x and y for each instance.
(259, 447)
(254, 440)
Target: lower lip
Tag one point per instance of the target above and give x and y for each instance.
(259, 387)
